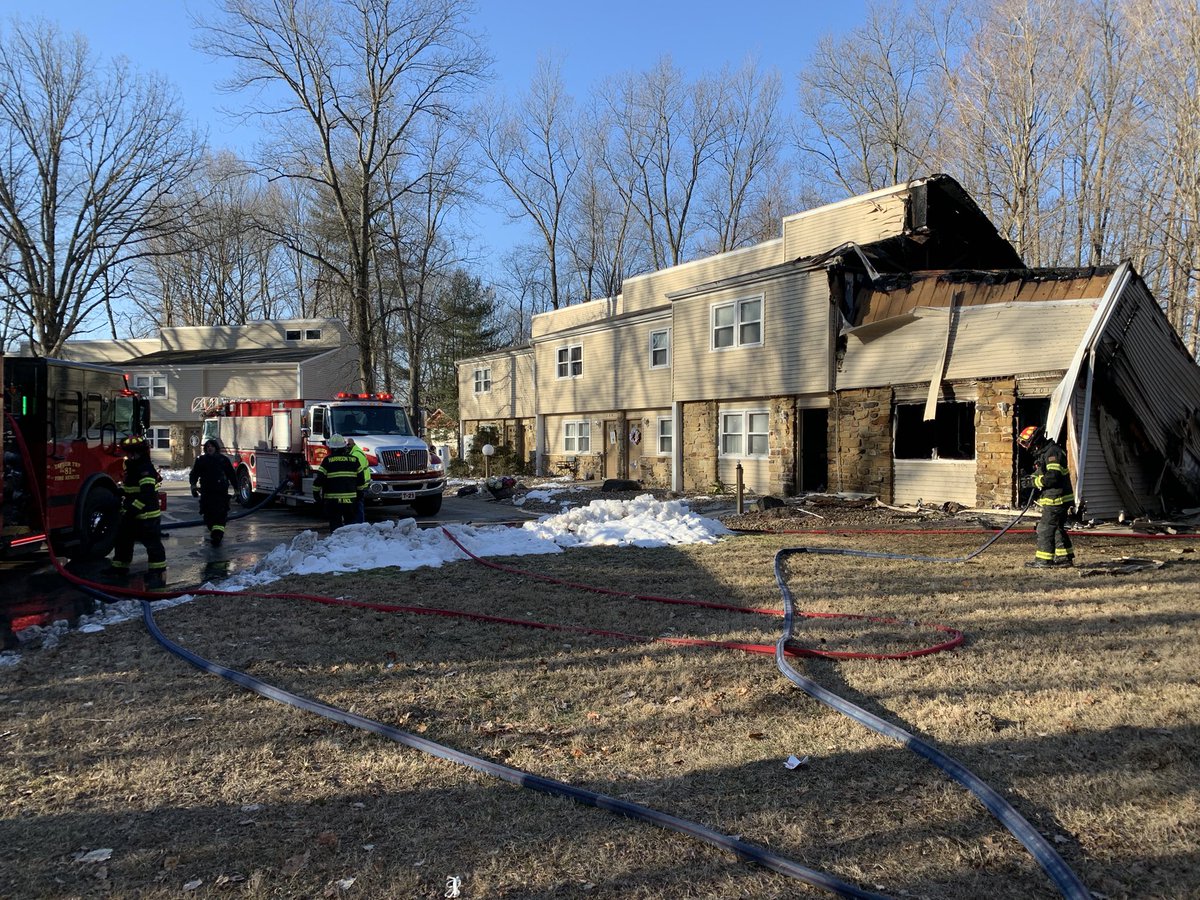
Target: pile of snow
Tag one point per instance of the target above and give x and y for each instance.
(640, 522)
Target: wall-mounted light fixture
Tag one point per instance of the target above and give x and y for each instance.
(1003, 407)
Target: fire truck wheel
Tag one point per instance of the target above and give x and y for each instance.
(245, 490)
(96, 527)
(427, 506)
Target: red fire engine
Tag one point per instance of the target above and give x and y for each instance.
(275, 442)
(71, 417)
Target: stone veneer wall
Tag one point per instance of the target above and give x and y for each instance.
(995, 418)
(699, 446)
(860, 442)
(781, 466)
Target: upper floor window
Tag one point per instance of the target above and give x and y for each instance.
(665, 431)
(737, 324)
(312, 334)
(291, 334)
(570, 361)
(153, 386)
(660, 348)
(483, 381)
(745, 433)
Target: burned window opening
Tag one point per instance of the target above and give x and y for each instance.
(951, 435)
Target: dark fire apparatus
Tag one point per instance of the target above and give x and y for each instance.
(71, 417)
(275, 442)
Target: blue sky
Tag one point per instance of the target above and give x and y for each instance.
(592, 40)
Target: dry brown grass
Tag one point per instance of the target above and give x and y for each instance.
(1076, 698)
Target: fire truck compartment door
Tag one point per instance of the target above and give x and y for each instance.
(266, 471)
(285, 430)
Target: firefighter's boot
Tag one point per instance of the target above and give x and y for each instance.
(156, 579)
(115, 574)
(218, 535)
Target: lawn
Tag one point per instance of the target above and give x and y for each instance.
(1074, 697)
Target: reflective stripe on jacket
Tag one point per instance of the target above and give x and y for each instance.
(339, 477)
(140, 486)
(1052, 477)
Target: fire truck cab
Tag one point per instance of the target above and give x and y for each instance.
(274, 442)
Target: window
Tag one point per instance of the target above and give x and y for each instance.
(153, 386)
(312, 334)
(577, 437)
(158, 438)
(292, 334)
(483, 381)
(570, 361)
(660, 348)
(665, 426)
(951, 434)
(737, 324)
(746, 433)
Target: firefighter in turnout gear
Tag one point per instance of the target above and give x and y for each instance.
(1052, 479)
(140, 522)
(214, 473)
(339, 481)
(360, 506)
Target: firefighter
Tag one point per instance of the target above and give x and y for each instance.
(213, 471)
(140, 522)
(360, 505)
(1052, 479)
(338, 483)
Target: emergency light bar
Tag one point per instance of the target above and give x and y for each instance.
(346, 395)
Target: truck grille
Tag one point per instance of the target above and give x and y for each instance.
(405, 460)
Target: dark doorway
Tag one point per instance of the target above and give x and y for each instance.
(813, 465)
(1030, 411)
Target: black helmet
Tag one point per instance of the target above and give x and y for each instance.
(134, 444)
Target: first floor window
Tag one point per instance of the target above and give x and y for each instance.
(577, 437)
(159, 438)
(665, 426)
(483, 381)
(570, 361)
(151, 386)
(745, 433)
(950, 435)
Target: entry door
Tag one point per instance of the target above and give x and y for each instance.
(813, 463)
(613, 441)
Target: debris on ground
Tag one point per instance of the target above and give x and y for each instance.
(1124, 565)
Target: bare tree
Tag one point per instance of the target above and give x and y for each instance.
(867, 104)
(91, 156)
(347, 84)
(533, 152)
(748, 149)
(669, 131)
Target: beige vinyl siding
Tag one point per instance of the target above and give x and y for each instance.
(108, 353)
(644, 292)
(861, 221)
(988, 342)
(512, 392)
(933, 481)
(325, 375)
(793, 358)
(755, 474)
(253, 335)
(1092, 480)
(555, 431)
(260, 382)
(616, 370)
(573, 316)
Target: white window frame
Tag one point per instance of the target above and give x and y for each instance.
(152, 387)
(742, 433)
(665, 350)
(483, 380)
(665, 448)
(158, 437)
(565, 363)
(292, 334)
(577, 436)
(312, 334)
(738, 324)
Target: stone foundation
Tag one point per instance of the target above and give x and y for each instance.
(860, 442)
(995, 463)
